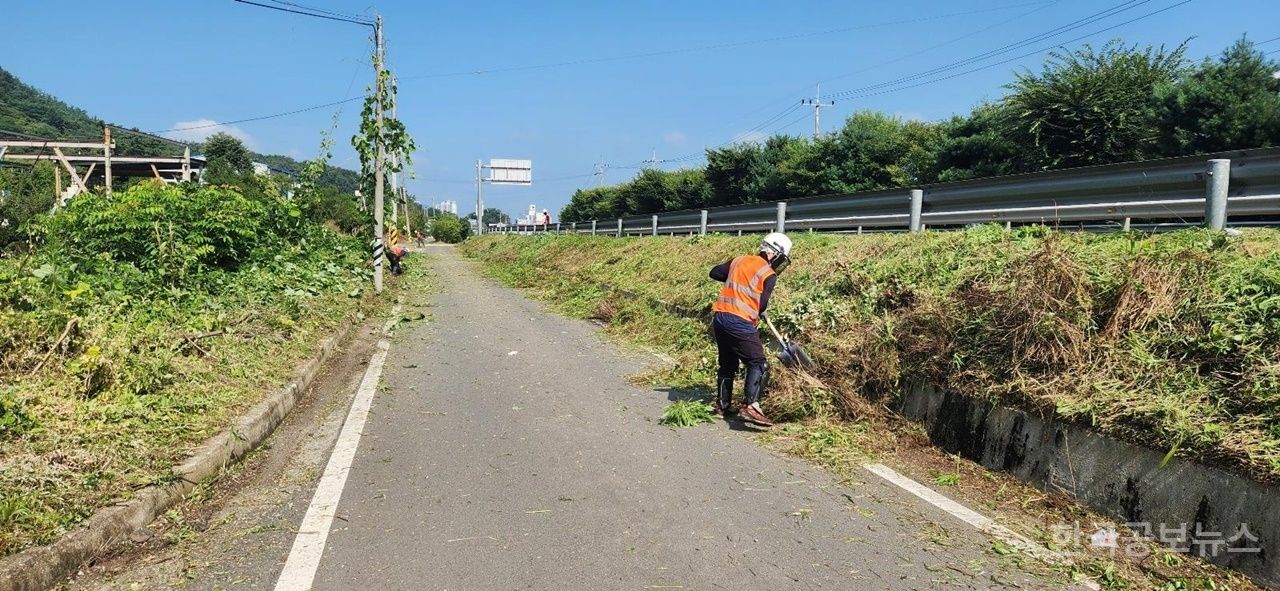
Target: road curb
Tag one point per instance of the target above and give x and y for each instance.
(39, 568)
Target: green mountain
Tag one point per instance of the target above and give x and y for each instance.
(28, 110)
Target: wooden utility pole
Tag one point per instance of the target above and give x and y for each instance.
(378, 208)
(106, 155)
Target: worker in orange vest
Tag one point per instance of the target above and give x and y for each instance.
(748, 283)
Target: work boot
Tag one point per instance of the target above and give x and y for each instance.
(751, 413)
(724, 396)
(753, 389)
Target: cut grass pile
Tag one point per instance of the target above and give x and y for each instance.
(127, 337)
(687, 413)
(1170, 341)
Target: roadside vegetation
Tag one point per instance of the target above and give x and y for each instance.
(138, 325)
(1170, 341)
(135, 325)
(450, 229)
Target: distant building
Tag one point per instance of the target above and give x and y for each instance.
(448, 207)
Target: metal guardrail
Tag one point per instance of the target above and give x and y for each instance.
(1174, 192)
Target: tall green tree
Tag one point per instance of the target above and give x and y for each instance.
(492, 215)
(589, 204)
(976, 146)
(749, 172)
(229, 161)
(876, 151)
(1228, 103)
(1093, 106)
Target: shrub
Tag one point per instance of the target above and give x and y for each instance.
(450, 228)
(174, 231)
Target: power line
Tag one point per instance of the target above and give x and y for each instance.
(940, 45)
(146, 135)
(1088, 20)
(728, 45)
(1018, 57)
(260, 118)
(306, 13)
(321, 10)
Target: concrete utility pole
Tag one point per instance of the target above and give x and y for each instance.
(817, 103)
(378, 208)
(395, 174)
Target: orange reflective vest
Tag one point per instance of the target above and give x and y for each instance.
(740, 295)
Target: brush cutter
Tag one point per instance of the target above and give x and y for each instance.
(791, 355)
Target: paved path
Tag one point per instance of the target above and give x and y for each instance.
(508, 451)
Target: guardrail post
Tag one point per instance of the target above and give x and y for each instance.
(619, 227)
(557, 227)
(702, 226)
(782, 217)
(655, 224)
(1215, 196)
(1126, 223)
(917, 205)
(593, 227)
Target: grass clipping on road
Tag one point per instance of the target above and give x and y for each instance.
(1170, 341)
(687, 413)
(140, 325)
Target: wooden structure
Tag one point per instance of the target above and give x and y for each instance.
(94, 163)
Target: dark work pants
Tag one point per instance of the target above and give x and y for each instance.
(737, 341)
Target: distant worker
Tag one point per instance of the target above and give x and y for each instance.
(420, 238)
(546, 218)
(748, 283)
(395, 251)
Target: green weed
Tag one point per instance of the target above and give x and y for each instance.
(687, 413)
(946, 479)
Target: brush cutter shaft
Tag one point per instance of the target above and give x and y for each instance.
(776, 334)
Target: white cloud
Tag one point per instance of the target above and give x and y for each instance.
(909, 116)
(751, 137)
(674, 138)
(199, 129)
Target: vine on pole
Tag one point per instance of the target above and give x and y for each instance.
(396, 141)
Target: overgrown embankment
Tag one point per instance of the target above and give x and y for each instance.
(141, 324)
(1171, 341)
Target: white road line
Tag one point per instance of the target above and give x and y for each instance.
(304, 559)
(981, 522)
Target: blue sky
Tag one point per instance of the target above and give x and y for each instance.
(722, 68)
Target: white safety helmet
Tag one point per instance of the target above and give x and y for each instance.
(777, 243)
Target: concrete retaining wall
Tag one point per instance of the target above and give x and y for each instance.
(1112, 477)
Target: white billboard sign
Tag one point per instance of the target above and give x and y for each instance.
(505, 171)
